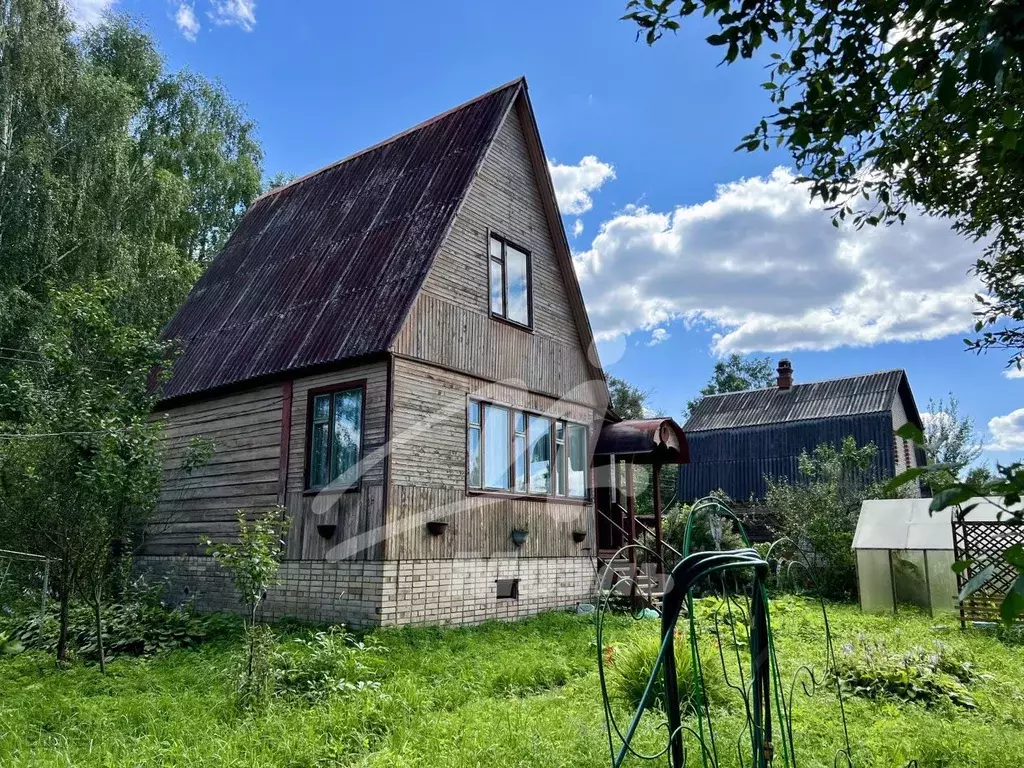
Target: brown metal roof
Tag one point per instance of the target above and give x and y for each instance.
(326, 268)
(646, 440)
(849, 396)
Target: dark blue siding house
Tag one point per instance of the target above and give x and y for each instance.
(739, 439)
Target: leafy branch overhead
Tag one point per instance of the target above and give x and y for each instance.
(890, 104)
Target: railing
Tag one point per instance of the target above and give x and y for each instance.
(622, 510)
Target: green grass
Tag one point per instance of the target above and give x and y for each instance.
(523, 694)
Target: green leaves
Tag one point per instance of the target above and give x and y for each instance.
(908, 93)
(1013, 602)
(949, 497)
(976, 582)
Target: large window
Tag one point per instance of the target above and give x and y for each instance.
(525, 453)
(335, 430)
(510, 282)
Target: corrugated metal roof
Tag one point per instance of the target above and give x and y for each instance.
(326, 268)
(849, 396)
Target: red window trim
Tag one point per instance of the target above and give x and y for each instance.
(332, 389)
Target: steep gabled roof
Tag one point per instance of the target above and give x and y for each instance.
(849, 396)
(326, 268)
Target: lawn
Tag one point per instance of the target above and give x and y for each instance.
(524, 694)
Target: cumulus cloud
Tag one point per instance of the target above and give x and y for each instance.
(89, 13)
(238, 13)
(577, 228)
(658, 335)
(763, 266)
(1014, 373)
(1007, 431)
(185, 18)
(574, 183)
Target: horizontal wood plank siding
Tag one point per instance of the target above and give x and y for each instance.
(242, 473)
(450, 323)
(428, 456)
(358, 516)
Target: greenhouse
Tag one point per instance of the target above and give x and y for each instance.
(905, 554)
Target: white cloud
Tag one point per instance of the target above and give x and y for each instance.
(658, 335)
(1014, 373)
(1007, 431)
(89, 13)
(577, 228)
(763, 266)
(574, 183)
(239, 13)
(185, 18)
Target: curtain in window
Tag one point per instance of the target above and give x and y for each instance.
(540, 454)
(496, 447)
(577, 460)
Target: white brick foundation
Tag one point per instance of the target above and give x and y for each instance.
(390, 593)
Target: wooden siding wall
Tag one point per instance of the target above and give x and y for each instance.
(428, 472)
(357, 513)
(450, 324)
(242, 474)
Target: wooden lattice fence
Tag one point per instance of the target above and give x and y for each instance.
(982, 542)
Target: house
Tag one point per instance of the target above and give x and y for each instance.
(395, 350)
(738, 440)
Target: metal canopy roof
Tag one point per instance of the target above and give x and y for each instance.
(647, 441)
(908, 524)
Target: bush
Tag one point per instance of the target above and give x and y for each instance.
(920, 675)
(141, 624)
(327, 663)
(631, 662)
(819, 512)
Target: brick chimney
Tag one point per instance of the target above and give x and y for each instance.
(785, 370)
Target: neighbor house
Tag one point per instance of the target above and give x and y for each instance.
(395, 350)
(740, 439)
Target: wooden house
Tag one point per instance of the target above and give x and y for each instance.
(739, 439)
(395, 349)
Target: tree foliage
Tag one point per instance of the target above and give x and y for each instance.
(80, 458)
(737, 374)
(900, 102)
(628, 401)
(949, 438)
(110, 167)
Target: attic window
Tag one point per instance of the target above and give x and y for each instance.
(510, 278)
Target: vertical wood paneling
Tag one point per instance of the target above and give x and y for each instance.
(428, 470)
(355, 514)
(450, 323)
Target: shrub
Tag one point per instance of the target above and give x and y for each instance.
(920, 675)
(253, 562)
(819, 512)
(141, 624)
(327, 663)
(631, 662)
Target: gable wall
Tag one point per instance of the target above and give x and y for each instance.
(450, 323)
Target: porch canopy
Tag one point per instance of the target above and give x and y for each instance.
(620, 446)
(645, 441)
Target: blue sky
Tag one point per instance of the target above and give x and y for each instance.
(688, 250)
